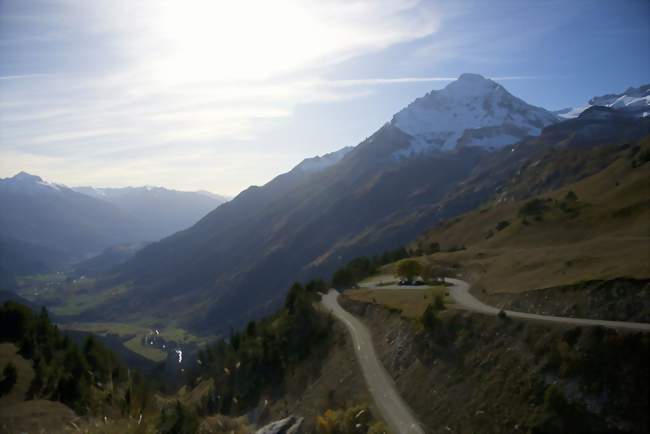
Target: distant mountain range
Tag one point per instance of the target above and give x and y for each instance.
(53, 224)
(446, 153)
(164, 211)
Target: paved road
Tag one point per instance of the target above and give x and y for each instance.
(394, 410)
(460, 293)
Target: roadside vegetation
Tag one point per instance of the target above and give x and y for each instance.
(356, 419)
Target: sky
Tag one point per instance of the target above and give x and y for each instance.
(216, 95)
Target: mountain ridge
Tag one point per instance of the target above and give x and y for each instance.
(634, 101)
(306, 224)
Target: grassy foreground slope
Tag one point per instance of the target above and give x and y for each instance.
(595, 229)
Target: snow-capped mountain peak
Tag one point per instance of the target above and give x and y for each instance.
(471, 111)
(635, 102)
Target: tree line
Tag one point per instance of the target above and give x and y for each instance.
(252, 363)
(85, 377)
(363, 266)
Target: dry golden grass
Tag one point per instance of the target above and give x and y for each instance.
(37, 416)
(8, 353)
(411, 302)
(609, 237)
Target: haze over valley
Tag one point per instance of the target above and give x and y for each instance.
(369, 217)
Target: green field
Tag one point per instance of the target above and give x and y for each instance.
(133, 336)
(64, 295)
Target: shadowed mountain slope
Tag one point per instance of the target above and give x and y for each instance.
(235, 263)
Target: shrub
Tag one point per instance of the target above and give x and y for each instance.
(554, 399)
(10, 376)
(429, 318)
(641, 158)
(343, 278)
(438, 303)
(177, 419)
(533, 208)
(571, 196)
(317, 285)
(346, 421)
(502, 225)
(456, 248)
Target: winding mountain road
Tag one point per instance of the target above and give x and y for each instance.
(394, 410)
(459, 291)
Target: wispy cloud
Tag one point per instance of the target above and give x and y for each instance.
(402, 80)
(196, 84)
(179, 78)
(20, 77)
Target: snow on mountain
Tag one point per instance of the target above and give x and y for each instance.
(318, 163)
(91, 191)
(110, 193)
(471, 111)
(26, 183)
(635, 101)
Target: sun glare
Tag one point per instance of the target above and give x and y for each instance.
(207, 40)
(213, 41)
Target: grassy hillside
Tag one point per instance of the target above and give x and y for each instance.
(596, 228)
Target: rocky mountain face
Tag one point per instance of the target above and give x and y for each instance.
(236, 263)
(470, 112)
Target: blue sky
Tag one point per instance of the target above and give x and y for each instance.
(199, 94)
